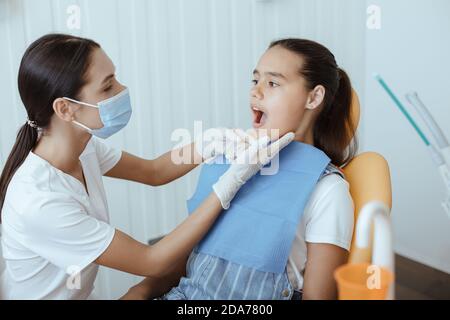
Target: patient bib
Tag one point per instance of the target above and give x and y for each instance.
(258, 229)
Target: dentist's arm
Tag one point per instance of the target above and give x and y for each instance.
(176, 163)
(156, 172)
(154, 287)
(126, 254)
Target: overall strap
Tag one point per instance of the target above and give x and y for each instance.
(332, 169)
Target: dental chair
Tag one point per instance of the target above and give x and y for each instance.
(370, 187)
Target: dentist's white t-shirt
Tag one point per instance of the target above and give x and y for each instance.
(52, 230)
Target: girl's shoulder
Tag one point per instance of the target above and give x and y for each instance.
(332, 169)
(331, 195)
(329, 214)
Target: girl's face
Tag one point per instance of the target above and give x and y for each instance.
(279, 96)
(101, 85)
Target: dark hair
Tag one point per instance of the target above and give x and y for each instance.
(52, 67)
(334, 130)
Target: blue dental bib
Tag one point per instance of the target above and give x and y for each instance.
(258, 229)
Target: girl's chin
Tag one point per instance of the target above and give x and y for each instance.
(273, 133)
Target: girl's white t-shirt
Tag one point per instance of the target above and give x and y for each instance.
(328, 218)
(53, 230)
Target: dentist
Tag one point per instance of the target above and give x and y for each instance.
(54, 211)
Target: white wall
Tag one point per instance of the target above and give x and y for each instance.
(184, 60)
(411, 51)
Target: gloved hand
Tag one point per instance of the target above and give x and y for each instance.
(246, 165)
(221, 141)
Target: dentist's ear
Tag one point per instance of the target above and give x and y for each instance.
(315, 97)
(63, 110)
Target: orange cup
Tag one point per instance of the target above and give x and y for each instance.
(363, 281)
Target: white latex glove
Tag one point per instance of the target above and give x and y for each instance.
(221, 141)
(246, 165)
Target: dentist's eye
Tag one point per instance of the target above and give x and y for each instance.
(107, 89)
(273, 84)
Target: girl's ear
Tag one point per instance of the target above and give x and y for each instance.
(315, 97)
(63, 109)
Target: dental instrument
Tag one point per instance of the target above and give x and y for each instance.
(440, 157)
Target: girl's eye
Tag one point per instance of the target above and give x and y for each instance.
(255, 82)
(273, 84)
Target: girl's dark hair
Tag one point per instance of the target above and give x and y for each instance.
(52, 67)
(334, 130)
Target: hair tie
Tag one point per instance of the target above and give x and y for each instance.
(32, 124)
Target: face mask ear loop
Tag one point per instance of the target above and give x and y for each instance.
(82, 103)
(89, 130)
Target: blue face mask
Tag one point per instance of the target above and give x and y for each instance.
(115, 113)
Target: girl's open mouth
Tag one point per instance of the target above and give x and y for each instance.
(259, 117)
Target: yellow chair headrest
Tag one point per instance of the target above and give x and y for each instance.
(369, 179)
(355, 109)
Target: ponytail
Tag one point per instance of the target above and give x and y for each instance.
(334, 127)
(25, 142)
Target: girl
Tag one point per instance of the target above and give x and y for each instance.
(55, 222)
(298, 88)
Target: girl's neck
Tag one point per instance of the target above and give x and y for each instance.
(62, 150)
(305, 130)
(304, 136)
